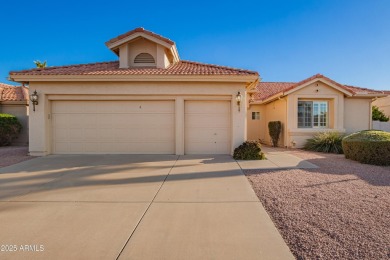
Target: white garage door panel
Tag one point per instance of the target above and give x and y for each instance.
(207, 127)
(113, 127)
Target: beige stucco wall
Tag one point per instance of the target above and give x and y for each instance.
(275, 111)
(20, 110)
(357, 115)
(296, 137)
(256, 127)
(40, 122)
(383, 104)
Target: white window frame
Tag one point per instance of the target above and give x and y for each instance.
(255, 115)
(315, 107)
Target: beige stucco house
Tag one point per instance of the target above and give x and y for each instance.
(305, 108)
(150, 101)
(14, 101)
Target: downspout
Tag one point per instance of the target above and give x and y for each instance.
(370, 116)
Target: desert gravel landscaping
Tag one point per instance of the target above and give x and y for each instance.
(340, 210)
(13, 154)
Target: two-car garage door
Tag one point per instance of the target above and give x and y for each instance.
(139, 127)
(128, 127)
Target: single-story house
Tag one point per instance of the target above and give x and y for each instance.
(313, 105)
(14, 101)
(149, 101)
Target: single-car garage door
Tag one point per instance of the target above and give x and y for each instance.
(207, 127)
(104, 127)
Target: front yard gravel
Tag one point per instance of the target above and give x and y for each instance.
(13, 154)
(340, 210)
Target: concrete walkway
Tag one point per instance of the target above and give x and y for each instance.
(134, 207)
(277, 158)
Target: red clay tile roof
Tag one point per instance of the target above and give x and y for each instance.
(13, 93)
(112, 68)
(268, 89)
(136, 30)
(359, 90)
(265, 90)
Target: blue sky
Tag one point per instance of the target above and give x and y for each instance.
(346, 40)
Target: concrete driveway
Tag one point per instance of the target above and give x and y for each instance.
(133, 207)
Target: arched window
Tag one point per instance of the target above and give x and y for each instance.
(144, 58)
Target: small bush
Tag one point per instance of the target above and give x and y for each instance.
(326, 142)
(9, 129)
(274, 129)
(249, 150)
(369, 146)
(379, 115)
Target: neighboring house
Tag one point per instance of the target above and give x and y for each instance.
(150, 101)
(383, 103)
(14, 101)
(305, 108)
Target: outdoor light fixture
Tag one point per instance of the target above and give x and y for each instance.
(238, 99)
(34, 99)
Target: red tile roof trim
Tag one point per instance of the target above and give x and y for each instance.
(112, 68)
(137, 30)
(266, 90)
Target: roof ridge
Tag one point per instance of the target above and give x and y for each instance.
(139, 29)
(286, 82)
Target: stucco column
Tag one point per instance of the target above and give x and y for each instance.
(179, 125)
(38, 136)
(239, 123)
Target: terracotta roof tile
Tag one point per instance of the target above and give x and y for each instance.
(112, 68)
(13, 93)
(359, 90)
(268, 89)
(136, 30)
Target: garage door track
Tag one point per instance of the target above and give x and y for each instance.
(133, 207)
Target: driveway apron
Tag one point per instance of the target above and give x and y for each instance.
(133, 207)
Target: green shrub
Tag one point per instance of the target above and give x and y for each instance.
(9, 129)
(274, 129)
(379, 115)
(249, 150)
(326, 142)
(369, 146)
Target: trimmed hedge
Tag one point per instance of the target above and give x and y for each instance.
(274, 130)
(9, 129)
(369, 146)
(325, 142)
(249, 150)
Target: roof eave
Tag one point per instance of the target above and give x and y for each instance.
(272, 98)
(115, 45)
(300, 86)
(371, 95)
(70, 78)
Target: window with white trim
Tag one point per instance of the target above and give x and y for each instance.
(312, 114)
(255, 115)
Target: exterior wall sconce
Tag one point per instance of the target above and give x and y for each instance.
(34, 99)
(238, 99)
